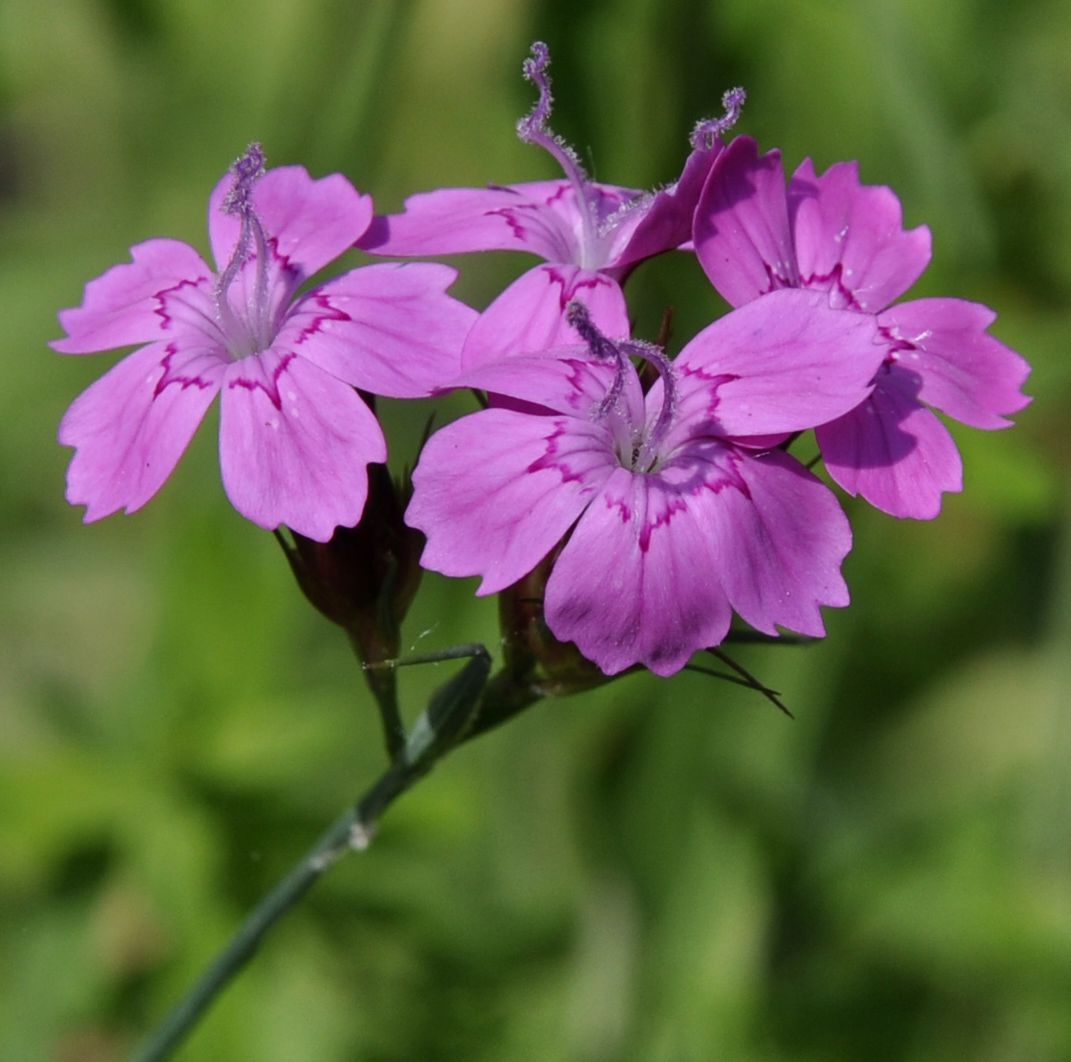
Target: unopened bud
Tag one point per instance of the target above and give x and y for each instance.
(364, 578)
(550, 667)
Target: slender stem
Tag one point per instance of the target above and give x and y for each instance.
(383, 684)
(351, 831)
(322, 572)
(441, 726)
(504, 697)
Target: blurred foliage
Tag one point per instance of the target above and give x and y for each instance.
(660, 870)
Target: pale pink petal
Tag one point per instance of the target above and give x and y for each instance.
(264, 310)
(495, 491)
(130, 427)
(892, 451)
(664, 222)
(850, 237)
(539, 217)
(965, 372)
(123, 305)
(529, 316)
(784, 362)
(295, 444)
(575, 384)
(310, 222)
(638, 580)
(742, 235)
(390, 329)
(780, 539)
(189, 312)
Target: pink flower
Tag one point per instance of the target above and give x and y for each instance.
(834, 235)
(674, 506)
(590, 235)
(295, 437)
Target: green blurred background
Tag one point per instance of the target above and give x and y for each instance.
(660, 870)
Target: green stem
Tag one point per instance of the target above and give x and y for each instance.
(352, 831)
(504, 697)
(443, 723)
(382, 683)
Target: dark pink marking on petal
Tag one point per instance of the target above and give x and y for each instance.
(268, 384)
(130, 428)
(557, 453)
(509, 215)
(637, 582)
(572, 282)
(326, 313)
(841, 297)
(119, 307)
(194, 370)
(188, 308)
(488, 502)
(662, 519)
(557, 195)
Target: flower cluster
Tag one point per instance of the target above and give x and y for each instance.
(660, 490)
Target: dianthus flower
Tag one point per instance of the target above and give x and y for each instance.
(295, 437)
(830, 233)
(683, 507)
(590, 235)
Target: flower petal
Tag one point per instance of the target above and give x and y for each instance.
(893, 451)
(850, 237)
(780, 539)
(390, 329)
(495, 491)
(311, 222)
(496, 218)
(529, 316)
(742, 235)
(574, 385)
(638, 582)
(784, 362)
(130, 427)
(294, 445)
(122, 306)
(965, 372)
(664, 222)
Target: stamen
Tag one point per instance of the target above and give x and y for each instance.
(247, 170)
(535, 72)
(577, 315)
(533, 129)
(708, 130)
(664, 367)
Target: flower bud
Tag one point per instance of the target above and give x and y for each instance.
(553, 668)
(364, 578)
